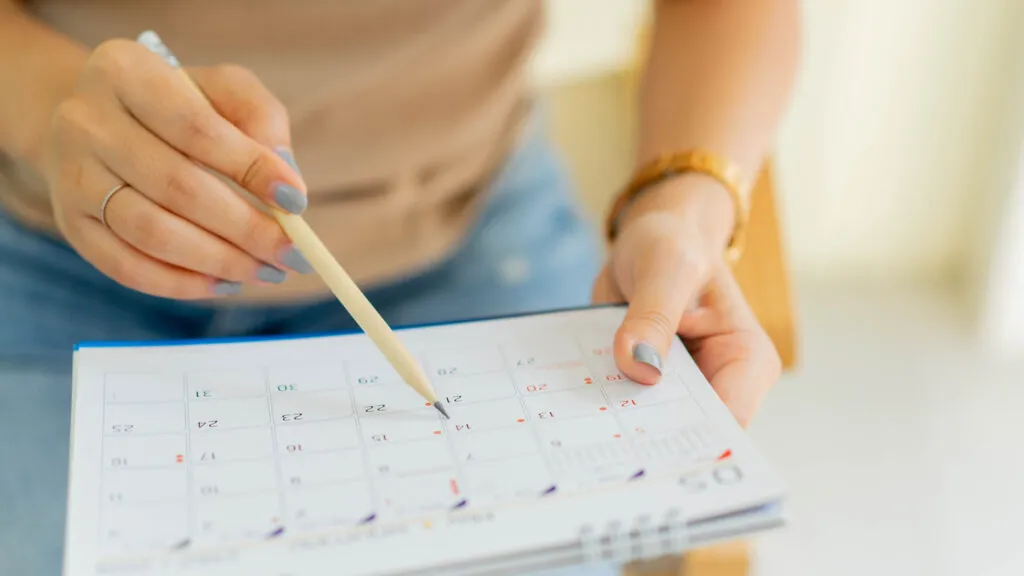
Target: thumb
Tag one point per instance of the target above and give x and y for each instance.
(241, 97)
(605, 291)
(665, 282)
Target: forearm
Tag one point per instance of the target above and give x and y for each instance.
(38, 68)
(718, 77)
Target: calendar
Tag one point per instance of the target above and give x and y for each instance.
(310, 455)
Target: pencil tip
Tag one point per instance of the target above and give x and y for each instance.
(441, 409)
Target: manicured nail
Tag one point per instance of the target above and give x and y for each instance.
(292, 258)
(225, 288)
(270, 274)
(644, 352)
(289, 158)
(289, 198)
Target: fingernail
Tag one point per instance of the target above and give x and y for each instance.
(226, 288)
(289, 198)
(292, 258)
(644, 352)
(289, 158)
(270, 274)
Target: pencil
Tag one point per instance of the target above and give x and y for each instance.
(328, 268)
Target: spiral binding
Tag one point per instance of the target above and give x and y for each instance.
(642, 538)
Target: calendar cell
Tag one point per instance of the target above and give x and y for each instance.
(143, 387)
(220, 384)
(307, 378)
(129, 451)
(410, 457)
(606, 371)
(670, 450)
(401, 427)
(513, 478)
(534, 381)
(507, 442)
(446, 363)
(592, 455)
(234, 478)
(229, 445)
(317, 507)
(327, 435)
(569, 404)
(247, 517)
(578, 432)
(137, 419)
(594, 463)
(311, 406)
(144, 486)
(468, 389)
(300, 469)
(542, 352)
(597, 342)
(126, 529)
(627, 395)
(386, 399)
(666, 417)
(418, 493)
(215, 415)
(610, 473)
(486, 415)
(372, 369)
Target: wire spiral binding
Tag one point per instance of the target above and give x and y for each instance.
(640, 539)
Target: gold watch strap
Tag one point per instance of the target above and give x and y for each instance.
(725, 172)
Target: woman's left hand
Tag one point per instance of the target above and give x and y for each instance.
(666, 262)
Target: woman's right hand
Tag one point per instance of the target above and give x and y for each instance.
(175, 229)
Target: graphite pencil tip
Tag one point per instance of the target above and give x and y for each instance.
(441, 409)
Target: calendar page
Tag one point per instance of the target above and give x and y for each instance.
(310, 455)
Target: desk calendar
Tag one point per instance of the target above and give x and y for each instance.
(300, 456)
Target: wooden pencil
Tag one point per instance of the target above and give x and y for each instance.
(331, 271)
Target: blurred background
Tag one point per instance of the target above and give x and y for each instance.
(899, 183)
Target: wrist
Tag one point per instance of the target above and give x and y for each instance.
(695, 200)
(44, 73)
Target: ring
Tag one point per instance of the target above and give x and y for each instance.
(106, 199)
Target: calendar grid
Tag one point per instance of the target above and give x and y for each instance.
(291, 455)
(395, 424)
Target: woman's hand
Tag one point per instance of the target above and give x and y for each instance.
(176, 230)
(667, 264)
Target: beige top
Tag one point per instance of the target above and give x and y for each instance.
(401, 110)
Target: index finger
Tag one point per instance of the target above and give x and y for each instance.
(164, 100)
(744, 364)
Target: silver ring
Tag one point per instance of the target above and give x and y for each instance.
(106, 199)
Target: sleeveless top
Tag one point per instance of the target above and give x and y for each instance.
(401, 111)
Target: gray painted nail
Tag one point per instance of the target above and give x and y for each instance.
(225, 288)
(644, 352)
(268, 273)
(289, 158)
(294, 259)
(289, 198)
